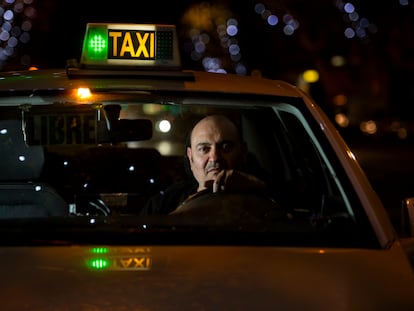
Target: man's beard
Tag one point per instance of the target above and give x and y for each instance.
(213, 165)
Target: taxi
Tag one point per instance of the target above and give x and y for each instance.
(84, 149)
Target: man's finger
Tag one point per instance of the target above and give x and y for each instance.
(218, 182)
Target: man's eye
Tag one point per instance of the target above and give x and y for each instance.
(226, 146)
(204, 149)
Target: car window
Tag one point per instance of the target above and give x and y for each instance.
(69, 159)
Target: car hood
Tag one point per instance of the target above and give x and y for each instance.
(204, 278)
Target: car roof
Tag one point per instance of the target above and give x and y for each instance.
(58, 79)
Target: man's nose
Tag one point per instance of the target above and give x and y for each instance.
(214, 153)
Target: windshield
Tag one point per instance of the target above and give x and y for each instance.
(135, 163)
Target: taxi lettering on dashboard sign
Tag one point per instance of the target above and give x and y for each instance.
(130, 45)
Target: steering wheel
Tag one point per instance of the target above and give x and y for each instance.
(99, 207)
(93, 206)
(230, 207)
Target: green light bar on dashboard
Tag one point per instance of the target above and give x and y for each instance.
(130, 45)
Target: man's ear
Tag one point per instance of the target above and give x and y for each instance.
(187, 163)
(189, 154)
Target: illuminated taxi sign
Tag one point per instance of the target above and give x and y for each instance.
(133, 45)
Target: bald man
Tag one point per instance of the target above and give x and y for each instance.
(215, 149)
(217, 158)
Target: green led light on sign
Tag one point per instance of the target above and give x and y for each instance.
(97, 44)
(98, 263)
(99, 250)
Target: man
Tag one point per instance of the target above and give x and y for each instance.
(217, 157)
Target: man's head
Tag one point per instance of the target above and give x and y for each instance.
(215, 145)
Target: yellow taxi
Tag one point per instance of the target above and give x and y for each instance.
(89, 157)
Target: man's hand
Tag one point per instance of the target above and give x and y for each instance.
(236, 181)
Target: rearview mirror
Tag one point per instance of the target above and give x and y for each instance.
(124, 130)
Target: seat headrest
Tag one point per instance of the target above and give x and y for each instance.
(18, 161)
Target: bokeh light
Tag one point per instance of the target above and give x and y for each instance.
(290, 23)
(15, 23)
(213, 38)
(342, 120)
(358, 26)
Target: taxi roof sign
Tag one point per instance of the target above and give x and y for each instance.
(138, 46)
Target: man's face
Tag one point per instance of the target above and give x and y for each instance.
(215, 145)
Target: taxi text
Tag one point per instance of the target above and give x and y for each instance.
(131, 44)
